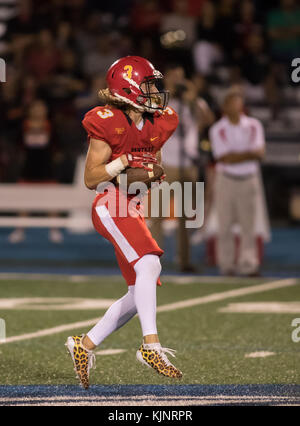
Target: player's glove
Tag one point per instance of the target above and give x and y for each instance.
(140, 161)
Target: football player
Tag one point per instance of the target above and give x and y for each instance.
(128, 131)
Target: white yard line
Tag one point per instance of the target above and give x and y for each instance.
(55, 277)
(215, 297)
(210, 279)
(110, 351)
(259, 354)
(164, 308)
(262, 308)
(54, 303)
(49, 331)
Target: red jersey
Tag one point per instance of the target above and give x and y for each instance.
(113, 126)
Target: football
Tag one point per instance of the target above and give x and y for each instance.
(140, 175)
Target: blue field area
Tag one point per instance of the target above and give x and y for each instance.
(92, 254)
(154, 394)
(160, 390)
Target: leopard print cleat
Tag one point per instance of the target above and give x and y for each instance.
(83, 359)
(154, 356)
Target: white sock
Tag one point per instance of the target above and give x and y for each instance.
(147, 271)
(115, 317)
(152, 346)
(140, 298)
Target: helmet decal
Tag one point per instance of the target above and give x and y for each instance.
(128, 76)
(133, 79)
(128, 69)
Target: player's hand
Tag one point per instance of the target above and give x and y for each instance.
(149, 158)
(140, 161)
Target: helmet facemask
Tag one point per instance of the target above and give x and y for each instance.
(153, 100)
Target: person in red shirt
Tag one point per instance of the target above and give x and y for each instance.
(43, 57)
(128, 131)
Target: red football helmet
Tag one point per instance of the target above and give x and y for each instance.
(130, 79)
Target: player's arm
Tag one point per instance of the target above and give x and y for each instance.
(257, 152)
(96, 168)
(240, 157)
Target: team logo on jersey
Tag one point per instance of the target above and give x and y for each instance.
(144, 149)
(120, 130)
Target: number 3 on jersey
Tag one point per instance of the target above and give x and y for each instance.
(105, 113)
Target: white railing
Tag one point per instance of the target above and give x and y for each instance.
(74, 199)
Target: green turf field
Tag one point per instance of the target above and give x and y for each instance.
(211, 345)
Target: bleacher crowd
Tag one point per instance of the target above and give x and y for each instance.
(57, 53)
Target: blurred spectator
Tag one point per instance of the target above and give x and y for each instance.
(180, 155)
(225, 26)
(125, 45)
(260, 83)
(29, 90)
(254, 63)
(37, 144)
(147, 49)
(179, 19)
(195, 7)
(202, 87)
(206, 106)
(99, 60)
(63, 85)
(11, 110)
(206, 50)
(70, 137)
(182, 148)
(283, 26)
(87, 33)
(43, 57)
(238, 145)
(179, 33)
(146, 17)
(38, 157)
(88, 98)
(57, 51)
(246, 24)
(65, 36)
(263, 78)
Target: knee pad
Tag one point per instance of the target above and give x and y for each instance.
(149, 264)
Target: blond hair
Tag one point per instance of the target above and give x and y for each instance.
(106, 97)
